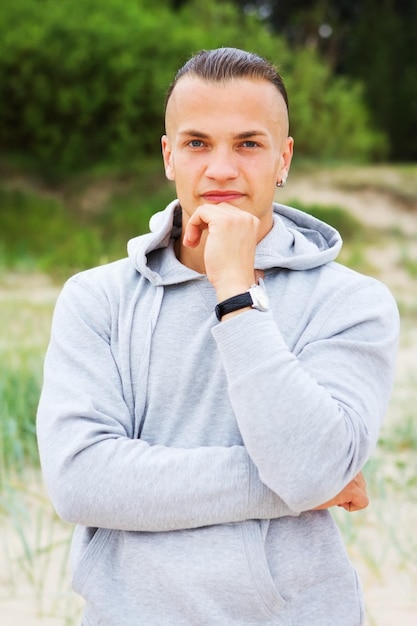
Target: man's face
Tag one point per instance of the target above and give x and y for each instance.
(227, 142)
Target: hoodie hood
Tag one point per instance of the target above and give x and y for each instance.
(297, 241)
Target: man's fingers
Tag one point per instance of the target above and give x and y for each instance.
(352, 498)
(192, 235)
(360, 480)
(194, 228)
(357, 500)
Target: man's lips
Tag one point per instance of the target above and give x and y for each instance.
(222, 195)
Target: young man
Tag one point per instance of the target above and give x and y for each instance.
(209, 398)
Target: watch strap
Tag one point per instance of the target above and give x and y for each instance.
(234, 303)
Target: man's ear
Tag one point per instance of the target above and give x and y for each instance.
(167, 156)
(286, 157)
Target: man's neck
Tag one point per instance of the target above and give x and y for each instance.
(193, 258)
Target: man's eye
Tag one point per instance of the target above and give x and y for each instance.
(195, 143)
(250, 144)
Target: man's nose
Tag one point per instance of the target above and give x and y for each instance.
(222, 165)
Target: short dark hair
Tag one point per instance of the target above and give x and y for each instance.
(222, 64)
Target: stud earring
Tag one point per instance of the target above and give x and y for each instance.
(281, 183)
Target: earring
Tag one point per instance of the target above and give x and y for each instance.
(281, 183)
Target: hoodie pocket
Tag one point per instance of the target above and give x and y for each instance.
(269, 596)
(89, 556)
(205, 576)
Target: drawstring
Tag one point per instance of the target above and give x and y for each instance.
(145, 360)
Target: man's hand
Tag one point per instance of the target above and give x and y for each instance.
(352, 498)
(230, 236)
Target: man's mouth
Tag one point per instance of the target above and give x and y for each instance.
(218, 195)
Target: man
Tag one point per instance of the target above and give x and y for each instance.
(207, 400)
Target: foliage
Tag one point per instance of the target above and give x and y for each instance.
(79, 88)
(382, 51)
(342, 220)
(83, 81)
(328, 116)
(48, 235)
(374, 41)
(19, 396)
(354, 233)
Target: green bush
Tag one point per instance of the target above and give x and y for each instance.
(41, 234)
(328, 116)
(45, 234)
(82, 81)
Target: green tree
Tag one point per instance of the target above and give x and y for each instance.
(374, 41)
(382, 52)
(83, 81)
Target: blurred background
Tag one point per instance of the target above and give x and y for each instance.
(82, 87)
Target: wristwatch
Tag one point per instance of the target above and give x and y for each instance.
(255, 297)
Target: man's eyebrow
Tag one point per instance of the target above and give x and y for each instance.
(193, 133)
(247, 134)
(250, 133)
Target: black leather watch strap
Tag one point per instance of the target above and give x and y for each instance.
(233, 304)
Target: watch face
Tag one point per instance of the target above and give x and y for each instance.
(260, 299)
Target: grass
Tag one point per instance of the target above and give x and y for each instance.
(93, 228)
(351, 229)
(34, 544)
(19, 395)
(409, 261)
(34, 551)
(356, 236)
(85, 222)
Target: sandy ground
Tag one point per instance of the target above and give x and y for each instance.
(34, 578)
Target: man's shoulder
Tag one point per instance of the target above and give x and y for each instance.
(105, 272)
(103, 282)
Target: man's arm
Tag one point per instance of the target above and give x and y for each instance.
(309, 419)
(97, 472)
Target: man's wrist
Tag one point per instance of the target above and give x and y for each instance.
(234, 305)
(255, 297)
(230, 290)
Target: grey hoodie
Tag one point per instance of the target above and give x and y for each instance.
(190, 453)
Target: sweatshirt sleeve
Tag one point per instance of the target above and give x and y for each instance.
(310, 417)
(97, 474)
